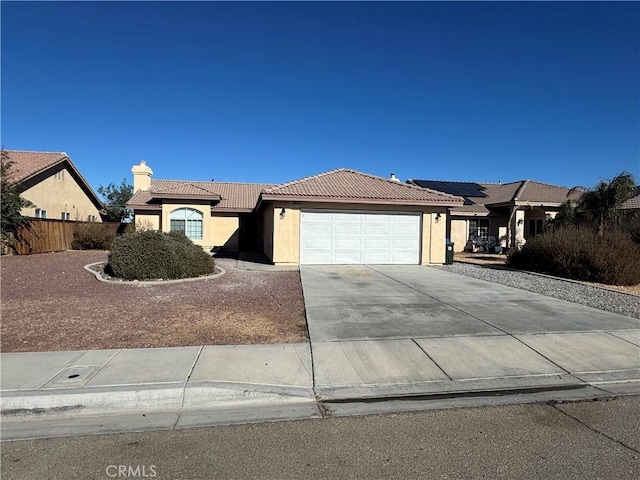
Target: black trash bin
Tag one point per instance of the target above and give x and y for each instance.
(448, 257)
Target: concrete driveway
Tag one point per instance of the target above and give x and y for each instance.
(408, 330)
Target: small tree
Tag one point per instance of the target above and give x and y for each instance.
(115, 201)
(12, 203)
(566, 215)
(603, 202)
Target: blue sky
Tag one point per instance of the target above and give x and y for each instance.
(272, 92)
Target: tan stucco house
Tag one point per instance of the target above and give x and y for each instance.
(337, 217)
(505, 215)
(54, 185)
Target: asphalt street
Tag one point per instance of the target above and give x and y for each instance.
(580, 440)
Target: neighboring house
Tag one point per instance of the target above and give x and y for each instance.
(633, 204)
(337, 217)
(506, 213)
(54, 185)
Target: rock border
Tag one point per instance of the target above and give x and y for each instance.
(218, 273)
(546, 275)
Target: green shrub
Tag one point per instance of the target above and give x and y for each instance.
(93, 236)
(148, 254)
(580, 253)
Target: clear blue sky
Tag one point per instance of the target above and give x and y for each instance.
(271, 92)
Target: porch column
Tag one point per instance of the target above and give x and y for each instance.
(518, 230)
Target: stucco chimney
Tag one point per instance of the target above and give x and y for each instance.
(394, 178)
(141, 176)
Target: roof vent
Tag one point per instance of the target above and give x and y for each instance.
(394, 178)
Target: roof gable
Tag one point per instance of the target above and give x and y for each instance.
(478, 195)
(350, 185)
(29, 165)
(230, 196)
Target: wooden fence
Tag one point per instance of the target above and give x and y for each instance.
(49, 235)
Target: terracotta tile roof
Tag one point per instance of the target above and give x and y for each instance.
(232, 196)
(350, 185)
(27, 164)
(544, 193)
(634, 202)
(479, 196)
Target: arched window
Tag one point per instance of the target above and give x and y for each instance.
(187, 221)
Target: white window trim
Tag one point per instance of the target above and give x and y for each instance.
(175, 215)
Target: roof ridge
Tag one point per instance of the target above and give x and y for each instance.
(479, 182)
(549, 184)
(209, 181)
(34, 151)
(363, 174)
(304, 179)
(175, 187)
(454, 181)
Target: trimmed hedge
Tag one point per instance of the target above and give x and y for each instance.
(148, 255)
(580, 253)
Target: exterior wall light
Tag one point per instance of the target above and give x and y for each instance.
(282, 212)
(438, 217)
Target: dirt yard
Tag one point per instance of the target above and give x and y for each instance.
(49, 302)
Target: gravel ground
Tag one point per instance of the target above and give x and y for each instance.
(609, 300)
(49, 302)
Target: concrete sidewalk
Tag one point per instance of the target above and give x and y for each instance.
(88, 392)
(382, 340)
(54, 393)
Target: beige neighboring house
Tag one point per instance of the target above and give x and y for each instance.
(54, 185)
(504, 215)
(337, 217)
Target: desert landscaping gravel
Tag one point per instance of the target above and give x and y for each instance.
(49, 302)
(622, 303)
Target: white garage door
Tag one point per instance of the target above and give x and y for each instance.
(348, 237)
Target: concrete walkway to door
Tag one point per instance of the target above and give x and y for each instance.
(394, 331)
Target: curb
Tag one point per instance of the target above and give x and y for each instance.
(150, 398)
(221, 271)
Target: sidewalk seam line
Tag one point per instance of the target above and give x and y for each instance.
(313, 365)
(184, 387)
(429, 357)
(620, 338)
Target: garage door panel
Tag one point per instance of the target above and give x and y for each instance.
(404, 230)
(318, 258)
(403, 257)
(403, 219)
(346, 243)
(344, 257)
(348, 229)
(359, 237)
(317, 243)
(377, 257)
(376, 229)
(403, 244)
(376, 244)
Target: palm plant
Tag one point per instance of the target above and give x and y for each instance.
(603, 202)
